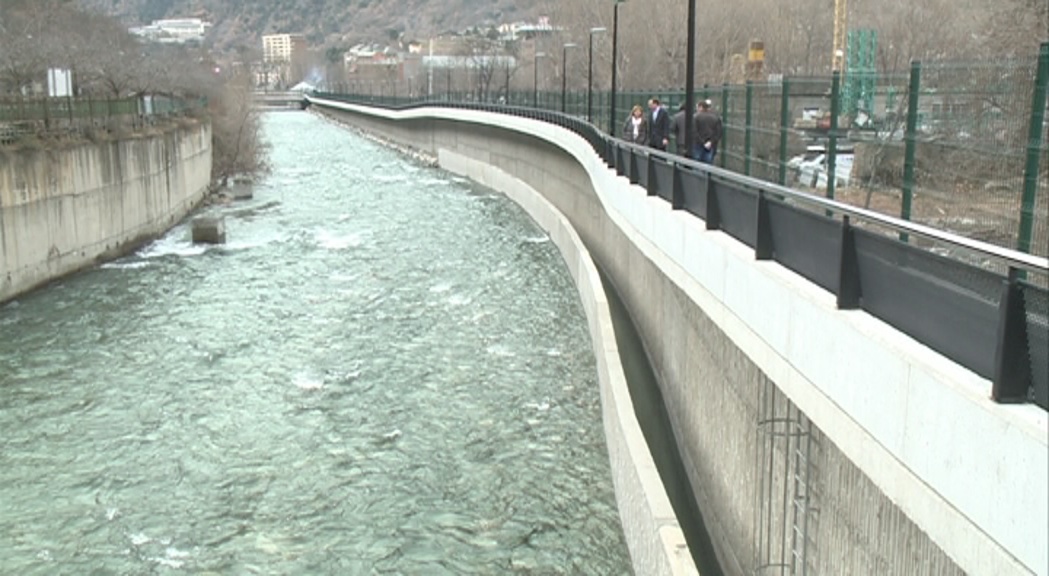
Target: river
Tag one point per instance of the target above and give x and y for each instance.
(385, 370)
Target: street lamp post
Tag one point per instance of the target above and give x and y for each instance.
(564, 74)
(590, 76)
(690, 80)
(615, 51)
(535, 79)
(507, 102)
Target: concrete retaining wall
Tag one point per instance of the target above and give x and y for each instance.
(657, 545)
(64, 209)
(916, 471)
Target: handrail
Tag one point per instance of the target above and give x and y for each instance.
(1012, 258)
(1004, 353)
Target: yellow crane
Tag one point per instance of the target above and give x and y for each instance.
(841, 31)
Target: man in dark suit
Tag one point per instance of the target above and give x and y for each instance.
(658, 125)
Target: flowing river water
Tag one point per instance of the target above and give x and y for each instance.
(385, 371)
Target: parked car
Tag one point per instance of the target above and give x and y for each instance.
(810, 169)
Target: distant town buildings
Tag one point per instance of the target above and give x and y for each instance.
(284, 60)
(283, 48)
(375, 62)
(173, 31)
(483, 58)
(526, 30)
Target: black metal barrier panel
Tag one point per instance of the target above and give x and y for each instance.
(993, 324)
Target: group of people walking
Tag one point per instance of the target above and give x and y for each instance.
(655, 127)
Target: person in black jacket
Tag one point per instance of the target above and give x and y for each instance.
(708, 133)
(658, 125)
(677, 126)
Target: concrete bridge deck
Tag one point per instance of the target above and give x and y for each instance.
(279, 100)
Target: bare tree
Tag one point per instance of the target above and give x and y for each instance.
(484, 56)
(237, 145)
(106, 60)
(796, 34)
(23, 45)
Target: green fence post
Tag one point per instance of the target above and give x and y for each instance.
(606, 99)
(606, 105)
(784, 128)
(832, 144)
(749, 118)
(910, 140)
(1035, 140)
(723, 145)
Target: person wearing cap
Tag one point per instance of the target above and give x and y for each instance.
(708, 133)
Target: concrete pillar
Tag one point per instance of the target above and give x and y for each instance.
(209, 230)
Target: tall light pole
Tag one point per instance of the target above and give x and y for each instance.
(690, 80)
(615, 62)
(535, 78)
(507, 101)
(429, 73)
(590, 76)
(564, 74)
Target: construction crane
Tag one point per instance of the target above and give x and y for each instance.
(841, 31)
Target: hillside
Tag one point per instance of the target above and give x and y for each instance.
(326, 23)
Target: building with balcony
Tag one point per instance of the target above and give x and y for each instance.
(283, 48)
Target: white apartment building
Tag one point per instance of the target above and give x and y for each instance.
(174, 30)
(277, 48)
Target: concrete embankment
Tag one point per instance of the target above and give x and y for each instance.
(66, 208)
(814, 440)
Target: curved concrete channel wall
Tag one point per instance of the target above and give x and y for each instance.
(657, 544)
(65, 209)
(909, 467)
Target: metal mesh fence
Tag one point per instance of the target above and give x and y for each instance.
(878, 138)
(973, 122)
(730, 103)
(957, 146)
(49, 117)
(764, 139)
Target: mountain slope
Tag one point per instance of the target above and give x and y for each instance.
(325, 22)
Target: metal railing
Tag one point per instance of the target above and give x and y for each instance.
(983, 306)
(54, 117)
(960, 146)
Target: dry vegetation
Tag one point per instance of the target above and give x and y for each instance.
(962, 183)
(797, 34)
(107, 63)
(326, 23)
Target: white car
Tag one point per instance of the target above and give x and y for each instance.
(810, 168)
